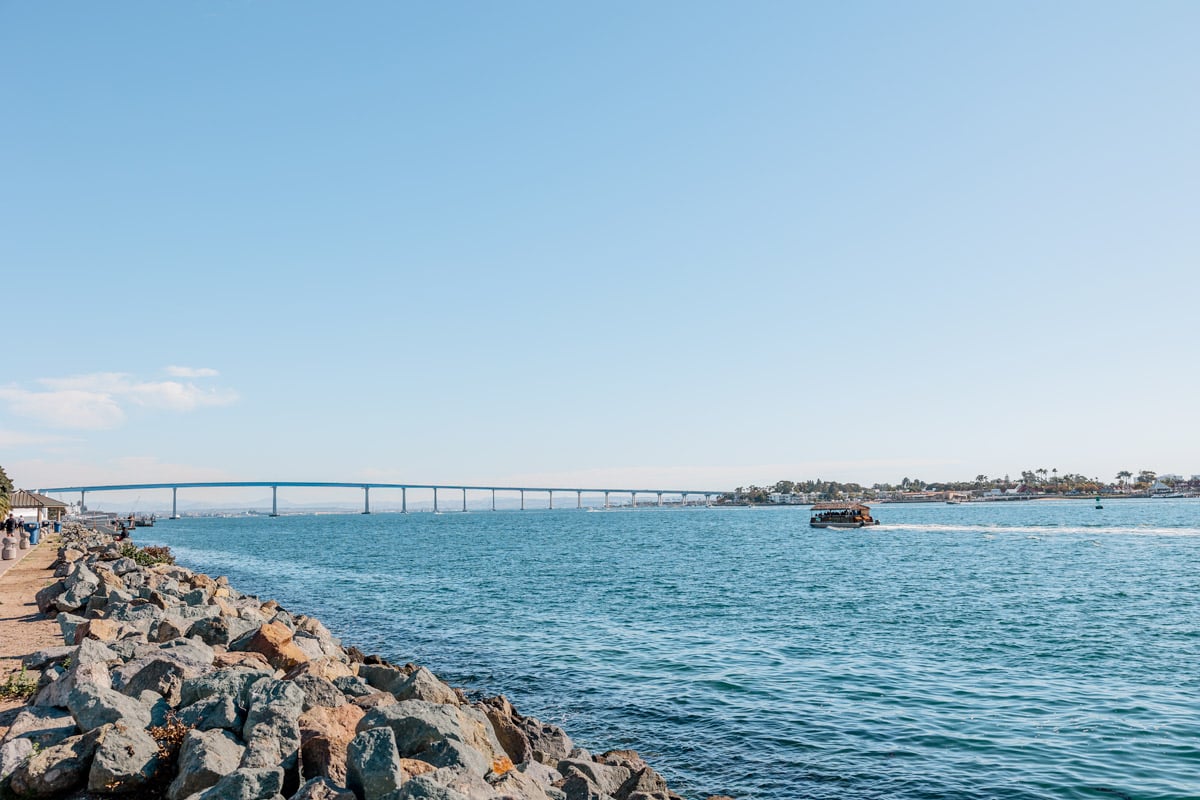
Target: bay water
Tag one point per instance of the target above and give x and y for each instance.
(1025, 650)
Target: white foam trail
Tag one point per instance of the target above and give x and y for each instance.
(1043, 529)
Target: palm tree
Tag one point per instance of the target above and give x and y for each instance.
(1122, 475)
(1055, 471)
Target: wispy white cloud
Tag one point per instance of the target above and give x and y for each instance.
(24, 439)
(97, 401)
(191, 372)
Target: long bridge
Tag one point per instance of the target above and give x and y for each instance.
(684, 494)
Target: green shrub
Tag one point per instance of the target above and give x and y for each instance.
(19, 686)
(147, 556)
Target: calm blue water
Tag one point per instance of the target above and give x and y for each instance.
(1025, 650)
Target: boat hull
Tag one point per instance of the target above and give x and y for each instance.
(838, 524)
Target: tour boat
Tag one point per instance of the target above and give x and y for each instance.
(841, 515)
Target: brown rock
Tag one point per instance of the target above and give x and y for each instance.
(324, 736)
(327, 668)
(274, 641)
(105, 630)
(413, 767)
(375, 700)
(240, 659)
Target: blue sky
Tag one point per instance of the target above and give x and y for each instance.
(700, 244)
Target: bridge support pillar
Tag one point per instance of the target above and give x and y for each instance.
(633, 497)
(606, 499)
(174, 502)
(435, 508)
(579, 499)
(551, 499)
(493, 499)
(660, 499)
(522, 499)
(274, 501)
(464, 499)
(403, 500)
(366, 500)
(82, 499)
(683, 499)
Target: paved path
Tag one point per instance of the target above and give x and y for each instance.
(5, 566)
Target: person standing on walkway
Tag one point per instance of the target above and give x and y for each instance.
(9, 524)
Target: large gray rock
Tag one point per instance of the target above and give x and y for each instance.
(60, 683)
(80, 584)
(319, 692)
(68, 623)
(605, 778)
(51, 655)
(322, 789)
(168, 628)
(425, 787)
(122, 566)
(272, 729)
(246, 784)
(193, 655)
(204, 758)
(381, 676)
(153, 673)
(93, 706)
(218, 711)
(419, 726)
(353, 686)
(44, 726)
(233, 681)
(14, 753)
(423, 685)
(126, 759)
(56, 770)
(373, 765)
(47, 595)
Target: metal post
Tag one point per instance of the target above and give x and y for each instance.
(551, 499)
(274, 501)
(174, 502)
(464, 499)
(435, 510)
(366, 499)
(522, 499)
(579, 499)
(403, 499)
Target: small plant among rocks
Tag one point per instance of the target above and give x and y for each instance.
(147, 556)
(19, 686)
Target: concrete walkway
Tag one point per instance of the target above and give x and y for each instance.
(5, 566)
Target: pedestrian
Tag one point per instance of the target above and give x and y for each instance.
(9, 524)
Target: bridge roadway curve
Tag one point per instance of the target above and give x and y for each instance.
(367, 487)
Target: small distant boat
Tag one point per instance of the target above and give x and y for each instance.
(954, 501)
(841, 515)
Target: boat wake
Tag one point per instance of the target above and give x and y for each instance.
(1047, 530)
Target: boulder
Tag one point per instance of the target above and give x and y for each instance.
(123, 566)
(322, 789)
(241, 659)
(94, 706)
(274, 641)
(104, 630)
(46, 596)
(69, 623)
(232, 681)
(156, 674)
(246, 784)
(43, 726)
(606, 779)
(204, 758)
(319, 692)
(420, 729)
(422, 684)
(126, 759)
(59, 683)
(324, 735)
(272, 729)
(373, 765)
(168, 628)
(220, 711)
(353, 686)
(381, 676)
(56, 770)
(51, 655)
(13, 753)
(220, 630)
(193, 655)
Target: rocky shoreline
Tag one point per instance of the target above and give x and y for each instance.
(172, 684)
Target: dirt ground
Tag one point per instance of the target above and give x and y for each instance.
(22, 629)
